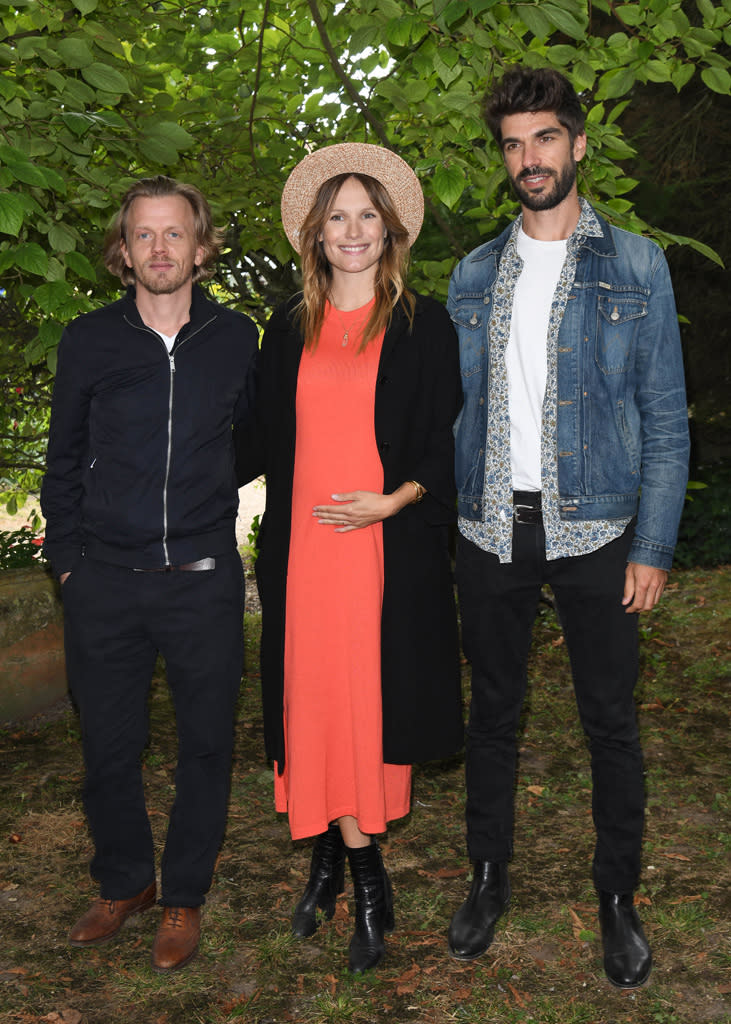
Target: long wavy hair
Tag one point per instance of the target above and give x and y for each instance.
(206, 235)
(390, 282)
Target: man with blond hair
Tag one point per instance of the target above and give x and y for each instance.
(140, 500)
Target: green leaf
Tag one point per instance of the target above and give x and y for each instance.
(615, 83)
(568, 23)
(32, 258)
(86, 6)
(717, 79)
(446, 73)
(583, 76)
(657, 71)
(562, 54)
(448, 184)
(11, 214)
(630, 14)
(28, 173)
(81, 265)
(75, 52)
(681, 75)
(61, 238)
(707, 9)
(172, 133)
(102, 76)
(454, 10)
(78, 92)
(398, 31)
(50, 295)
(159, 150)
(535, 21)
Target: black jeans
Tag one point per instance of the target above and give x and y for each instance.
(498, 605)
(116, 622)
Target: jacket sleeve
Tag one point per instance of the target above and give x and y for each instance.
(250, 439)
(663, 415)
(68, 444)
(442, 403)
(247, 429)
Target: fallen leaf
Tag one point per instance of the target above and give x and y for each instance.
(577, 925)
(536, 790)
(677, 856)
(520, 1000)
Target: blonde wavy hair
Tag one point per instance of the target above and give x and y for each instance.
(206, 235)
(390, 286)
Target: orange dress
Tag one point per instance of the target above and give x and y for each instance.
(332, 654)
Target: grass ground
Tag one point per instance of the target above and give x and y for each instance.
(545, 963)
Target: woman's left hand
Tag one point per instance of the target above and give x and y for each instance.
(358, 509)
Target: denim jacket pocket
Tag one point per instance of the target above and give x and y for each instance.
(618, 319)
(469, 323)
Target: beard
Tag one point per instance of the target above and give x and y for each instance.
(162, 284)
(546, 200)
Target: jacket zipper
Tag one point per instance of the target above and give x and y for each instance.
(171, 363)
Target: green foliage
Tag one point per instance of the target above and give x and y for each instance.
(704, 537)
(95, 93)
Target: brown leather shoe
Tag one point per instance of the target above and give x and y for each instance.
(104, 918)
(176, 942)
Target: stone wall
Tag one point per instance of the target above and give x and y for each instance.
(32, 671)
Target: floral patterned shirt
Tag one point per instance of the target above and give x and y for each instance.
(495, 532)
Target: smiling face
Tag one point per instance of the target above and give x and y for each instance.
(160, 245)
(353, 233)
(540, 158)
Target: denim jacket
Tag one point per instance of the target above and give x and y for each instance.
(622, 421)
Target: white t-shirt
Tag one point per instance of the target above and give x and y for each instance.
(525, 355)
(169, 340)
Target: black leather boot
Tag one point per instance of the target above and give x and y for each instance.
(327, 879)
(373, 907)
(627, 956)
(473, 926)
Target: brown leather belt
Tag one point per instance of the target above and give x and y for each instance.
(202, 565)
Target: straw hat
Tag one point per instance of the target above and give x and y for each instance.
(316, 168)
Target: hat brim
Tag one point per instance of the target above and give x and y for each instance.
(303, 184)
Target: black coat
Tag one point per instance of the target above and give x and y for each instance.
(418, 396)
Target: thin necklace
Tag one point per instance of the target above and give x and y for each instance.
(346, 329)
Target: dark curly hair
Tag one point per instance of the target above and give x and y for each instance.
(530, 90)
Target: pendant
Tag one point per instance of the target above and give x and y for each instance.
(345, 339)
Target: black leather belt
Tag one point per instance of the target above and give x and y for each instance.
(527, 508)
(202, 565)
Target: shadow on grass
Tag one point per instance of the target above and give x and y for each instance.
(545, 963)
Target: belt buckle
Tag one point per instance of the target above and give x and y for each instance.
(526, 515)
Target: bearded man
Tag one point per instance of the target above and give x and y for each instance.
(571, 466)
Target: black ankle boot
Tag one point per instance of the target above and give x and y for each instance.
(473, 926)
(373, 907)
(327, 879)
(627, 956)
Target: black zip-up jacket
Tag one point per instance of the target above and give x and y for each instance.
(140, 466)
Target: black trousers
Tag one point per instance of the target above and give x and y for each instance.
(498, 605)
(116, 622)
